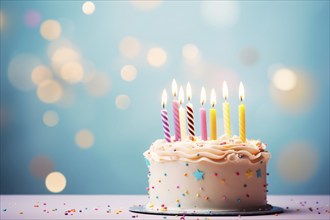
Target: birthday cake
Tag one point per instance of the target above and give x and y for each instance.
(216, 175)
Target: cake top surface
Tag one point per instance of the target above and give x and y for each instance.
(216, 151)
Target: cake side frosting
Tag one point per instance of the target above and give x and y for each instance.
(224, 174)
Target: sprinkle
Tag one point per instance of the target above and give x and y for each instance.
(157, 197)
(177, 186)
(206, 197)
(186, 174)
(197, 194)
(223, 181)
(222, 143)
(159, 181)
(179, 205)
(21, 213)
(224, 198)
(249, 174)
(199, 174)
(187, 164)
(197, 155)
(215, 174)
(247, 195)
(245, 185)
(187, 192)
(237, 173)
(165, 174)
(177, 201)
(183, 194)
(201, 188)
(258, 173)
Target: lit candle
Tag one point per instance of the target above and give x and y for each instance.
(213, 117)
(202, 112)
(241, 110)
(190, 114)
(175, 107)
(182, 114)
(166, 127)
(226, 110)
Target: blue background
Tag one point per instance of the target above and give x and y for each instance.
(294, 34)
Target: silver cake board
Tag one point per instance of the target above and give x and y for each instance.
(268, 210)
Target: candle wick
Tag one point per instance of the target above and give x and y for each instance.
(241, 98)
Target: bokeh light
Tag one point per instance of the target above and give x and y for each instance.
(41, 166)
(19, 71)
(88, 8)
(146, 5)
(98, 84)
(50, 91)
(130, 47)
(128, 72)
(298, 161)
(156, 57)
(296, 94)
(285, 79)
(123, 102)
(72, 72)
(50, 118)
(32, 18)
(248, 56)
(84, 139)
(190, 52)
(55, 182)
(2, 20)
(50, 29)
(40, 74)
(220, 13)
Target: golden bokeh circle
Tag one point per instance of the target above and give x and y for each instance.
(49, 91)
(128, 72)
(84, 139)
(50, 29)
(55, 182)
(156, 57)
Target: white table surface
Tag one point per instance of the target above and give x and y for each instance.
(116, 207)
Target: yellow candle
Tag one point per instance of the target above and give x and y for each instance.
(182, 115)
(241, 109)
(226, 110)
(213, 117)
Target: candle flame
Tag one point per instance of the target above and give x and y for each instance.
(188, 91)
(225, 90)
(181, 95)
(164, 98)
(241, 91)
(174, 88)
(203, 96)
(213, 98)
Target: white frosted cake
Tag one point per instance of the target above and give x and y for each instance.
(215, 175)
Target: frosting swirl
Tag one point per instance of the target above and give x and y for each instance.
(216, 151)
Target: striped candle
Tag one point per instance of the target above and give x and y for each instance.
(166, 127)
(175, 107)
(190, 114)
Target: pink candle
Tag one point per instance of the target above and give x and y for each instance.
(175, 107)
(166, 127)
(203, 115)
